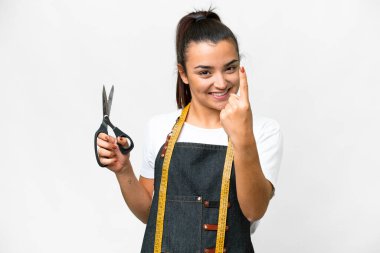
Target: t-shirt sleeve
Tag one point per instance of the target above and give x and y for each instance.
(270, 148)
(147, 165)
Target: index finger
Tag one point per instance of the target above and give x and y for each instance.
(243, 84)
(106, 137)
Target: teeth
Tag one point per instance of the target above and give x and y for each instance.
(219, 94)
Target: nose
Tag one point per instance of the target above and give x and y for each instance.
(220, 82)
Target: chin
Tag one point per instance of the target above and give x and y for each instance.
(220, 106)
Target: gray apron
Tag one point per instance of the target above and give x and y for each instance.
(191, 213)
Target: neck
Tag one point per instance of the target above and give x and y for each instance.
(203, 117)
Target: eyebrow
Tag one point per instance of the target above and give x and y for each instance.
(209, 67)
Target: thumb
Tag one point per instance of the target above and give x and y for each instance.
(122, 141)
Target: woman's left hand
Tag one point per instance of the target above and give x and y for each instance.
(236, 117)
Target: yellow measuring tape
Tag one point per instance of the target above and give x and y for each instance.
(223, 204)
(164, 184)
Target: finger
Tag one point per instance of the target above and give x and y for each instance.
(107, 161)
(222, 114)
(104, 153)
(122, 141)
(233, 100)
(227, 109)
(106, 137)
(105, 144)
(243, 85)
(103, 136)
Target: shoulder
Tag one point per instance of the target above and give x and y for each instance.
(158, 127)
(155, 133)
(164, 118)
(163, 122)
(264, 126)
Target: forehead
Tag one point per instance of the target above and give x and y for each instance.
(210, 54)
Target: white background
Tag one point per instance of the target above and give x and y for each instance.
(312, 65)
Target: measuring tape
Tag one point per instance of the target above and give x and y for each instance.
(222, 219)
(164, 185)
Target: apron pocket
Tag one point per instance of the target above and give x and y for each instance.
(182, 224)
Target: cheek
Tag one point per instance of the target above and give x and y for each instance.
(199, 84)
(234, 79)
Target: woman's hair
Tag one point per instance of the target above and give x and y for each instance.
(196, 27)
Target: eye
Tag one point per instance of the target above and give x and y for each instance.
(204, 73)
(231, 69)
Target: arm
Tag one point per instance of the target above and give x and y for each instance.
(254, 191)
(137, 194)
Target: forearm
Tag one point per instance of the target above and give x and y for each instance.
(253, 190)
(137, 198)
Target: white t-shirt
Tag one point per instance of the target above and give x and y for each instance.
(266, 131)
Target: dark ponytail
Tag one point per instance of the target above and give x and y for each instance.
(197, 26)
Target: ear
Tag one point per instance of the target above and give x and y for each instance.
(182, 74)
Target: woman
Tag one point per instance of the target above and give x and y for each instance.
(214, 117)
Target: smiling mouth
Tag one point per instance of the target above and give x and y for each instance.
(220, 94)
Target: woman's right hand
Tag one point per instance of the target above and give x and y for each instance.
(109, 153)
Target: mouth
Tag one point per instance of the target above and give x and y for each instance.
(220, 95)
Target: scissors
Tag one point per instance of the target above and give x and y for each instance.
(107, 122)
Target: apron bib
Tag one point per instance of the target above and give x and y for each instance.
(192, 203)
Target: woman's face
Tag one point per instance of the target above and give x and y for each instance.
(212, 73)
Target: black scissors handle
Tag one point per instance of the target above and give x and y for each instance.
(102, 129)
(118, 133)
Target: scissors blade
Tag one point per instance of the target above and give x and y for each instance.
(110, 97)
(105, 103)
